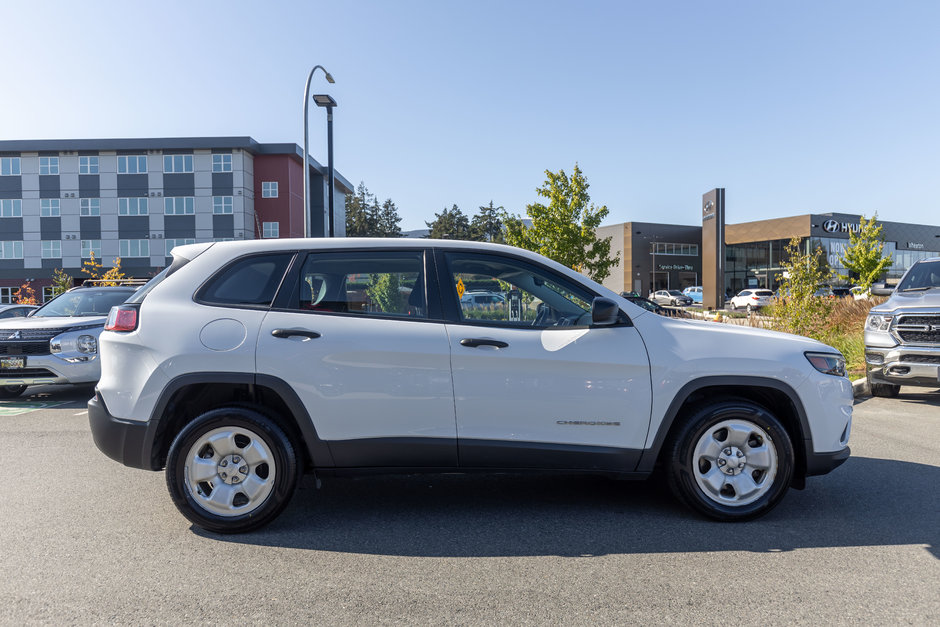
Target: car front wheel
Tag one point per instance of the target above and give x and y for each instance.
(231, 470)
(11, 391)
(732, 460)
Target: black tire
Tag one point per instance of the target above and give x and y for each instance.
(694, 477)
(240, 433)
(12, 391)
(884, 390)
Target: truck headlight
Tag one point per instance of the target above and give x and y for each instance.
(87, 344)
(878, 322)
(828, 363)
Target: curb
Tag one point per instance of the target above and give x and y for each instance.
(860, 388)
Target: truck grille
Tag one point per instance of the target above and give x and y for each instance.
(918, 328)
(921, 359)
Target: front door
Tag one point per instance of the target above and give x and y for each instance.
(535, 384)
(356, 344)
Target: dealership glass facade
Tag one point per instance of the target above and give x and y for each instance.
(758, 264)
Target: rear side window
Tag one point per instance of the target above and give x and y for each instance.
(252, 281)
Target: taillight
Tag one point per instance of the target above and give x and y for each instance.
(122, 318)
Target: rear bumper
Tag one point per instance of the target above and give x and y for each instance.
(824, 463)
(124, 441)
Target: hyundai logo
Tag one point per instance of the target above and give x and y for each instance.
(831, 226)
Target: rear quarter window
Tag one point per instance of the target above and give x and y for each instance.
(251, 282)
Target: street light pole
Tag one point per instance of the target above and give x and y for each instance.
(307, 212)
(324, 100)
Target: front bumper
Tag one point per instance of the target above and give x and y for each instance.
(50, 369)
(903, 365)
(124, 441)
(823, 463)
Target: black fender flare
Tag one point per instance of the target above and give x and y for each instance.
(648, 459)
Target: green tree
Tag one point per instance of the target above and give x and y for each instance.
(366, 218)
(800, 311)
(385, 293)
(449, 224)
(865, 253)
(565, 228)
(388, 220)
(61, 282)
(486, 225)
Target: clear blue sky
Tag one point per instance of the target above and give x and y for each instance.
(793, 107)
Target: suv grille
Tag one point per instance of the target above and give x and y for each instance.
(26, 341)
(921, 359)
(918, 328)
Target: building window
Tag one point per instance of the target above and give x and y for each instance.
(666, 248)
(270, 229)
(223, 239)
(222, 205)
(173, 243)
(48, 293)
(221, 163)
(6, 295)
(11, 250)
(88, 165)
(48, 165)
(10, 166)
(132, 164)
(179, 205)
(177, 164)
(91, 247)
(135, 248)
(91, 206)
(133, 207)
(11, 208)
(269, 189)
(49, 207)
(51, 249)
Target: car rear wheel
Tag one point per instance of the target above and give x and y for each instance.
(231, 470)
(12, 391)
(732, 460)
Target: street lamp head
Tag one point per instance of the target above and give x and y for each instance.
(324, 100)
(329, 77)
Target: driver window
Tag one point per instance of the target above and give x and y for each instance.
(507, 292)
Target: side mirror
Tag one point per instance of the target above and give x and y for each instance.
(881, 289)
(604, 312)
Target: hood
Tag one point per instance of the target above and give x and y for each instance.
(52, 322)
(926, 299)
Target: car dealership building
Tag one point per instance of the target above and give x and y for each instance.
(725, 259)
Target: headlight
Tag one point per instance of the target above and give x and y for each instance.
(878, 322)
(87, 344)
(828, 363)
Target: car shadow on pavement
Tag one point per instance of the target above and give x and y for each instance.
(866, 502)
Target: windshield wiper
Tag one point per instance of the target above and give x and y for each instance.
(917, 289)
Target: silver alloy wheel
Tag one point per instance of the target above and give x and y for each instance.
(230, 471)
(734, 462)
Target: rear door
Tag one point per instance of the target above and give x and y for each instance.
(355, 339)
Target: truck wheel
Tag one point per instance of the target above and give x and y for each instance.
(732, 460)
(11, 391)
(886, 390)
(231, 470)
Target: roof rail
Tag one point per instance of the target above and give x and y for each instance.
(113, 282)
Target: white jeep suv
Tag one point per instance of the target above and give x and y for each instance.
(245, 364)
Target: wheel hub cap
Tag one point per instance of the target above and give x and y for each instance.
(233, 469)
(731, 460)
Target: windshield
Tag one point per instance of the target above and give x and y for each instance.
(675, 293)
(83, 302)
(921, 276)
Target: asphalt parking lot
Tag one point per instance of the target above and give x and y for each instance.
(85, 540)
